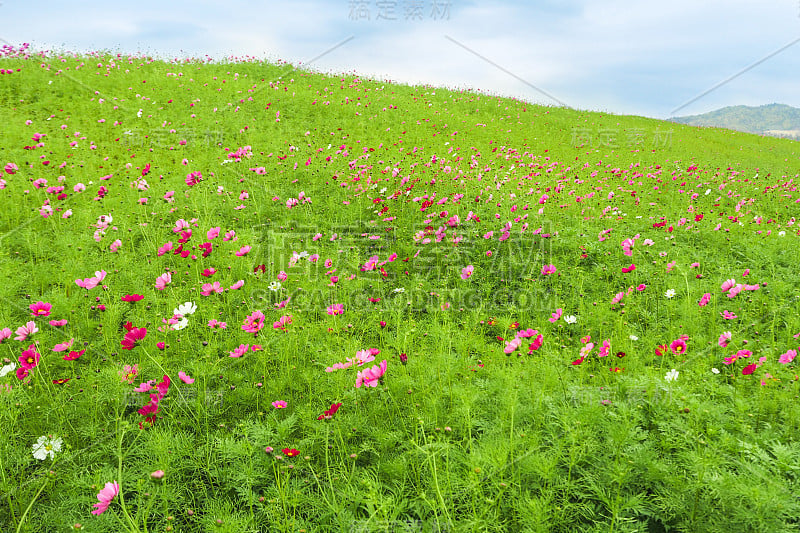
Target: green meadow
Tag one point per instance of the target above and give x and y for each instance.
(243, 297)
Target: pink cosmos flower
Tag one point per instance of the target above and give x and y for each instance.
(548, 269)
(91, 283)
(115, 246)
(466, 272)
(54, 323)
(28, 329)
(282, 322)
(243, 250)
(370, 377)
(5, 333)
(335, 309)
(586, 350)
(727, 315)
(208, 272)
(163, 280)
(129, 373)
(213, 323)
(238, 285)
(132, 298)
(213, 233)
(144, 387)
(728, 284)
(364, 356)
(704, 300)
(40, 309)
(787, 357)
(185, 378)
(279, 404)
(724, 339)
(512, 345)
(164, 249)
(240, 351)
(641, 287)
(106, 495)
(282, 276)
(604, 348)
(616, 299)
(555, 316)
(63, 346)
(253, 323)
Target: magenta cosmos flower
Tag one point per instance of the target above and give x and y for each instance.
(335, 309)
(105, 496)
(548, 269)
(40, 309)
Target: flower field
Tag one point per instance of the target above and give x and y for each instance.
(238, 296)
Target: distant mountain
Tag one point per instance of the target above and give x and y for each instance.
(777, 120)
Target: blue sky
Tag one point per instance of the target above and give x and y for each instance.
(637, 57)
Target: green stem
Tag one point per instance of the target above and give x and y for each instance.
(22, 518)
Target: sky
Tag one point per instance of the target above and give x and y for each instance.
(629, 57)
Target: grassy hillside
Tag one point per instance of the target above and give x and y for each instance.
(761, 119)
(588, 321)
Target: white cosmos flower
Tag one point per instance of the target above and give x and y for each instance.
(399, 289)
(46, 445)
(672, 375)
(715, 370)
(8, 368)
(187, 308)
(274, 286)
(182, 323)
(633, 338)
(570, 319)
(670, 293)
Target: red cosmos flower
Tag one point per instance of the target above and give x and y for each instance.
(661, 349)
(72, 356)
(578, 361)
(262, 268)
(132, 297)
(206, 247)
(749, 369)
(327, 415)
(60, 381)
(290, 452)
(133, 336)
